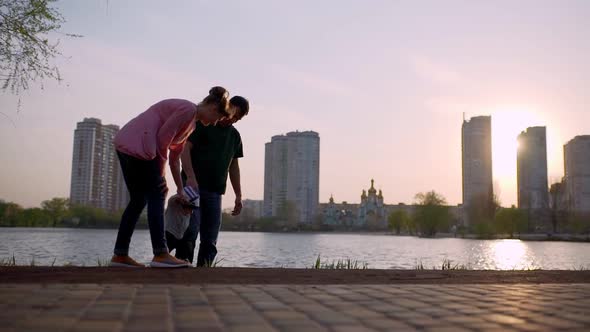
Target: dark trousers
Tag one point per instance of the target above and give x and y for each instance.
(146, 185)
(205, 220)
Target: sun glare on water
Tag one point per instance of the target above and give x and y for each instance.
(510, 254)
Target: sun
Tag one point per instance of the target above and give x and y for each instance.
(507, 123)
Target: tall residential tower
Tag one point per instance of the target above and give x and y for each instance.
(577, 173)
(476, 144)
(97, 179)
(533, 190)
(292, 175)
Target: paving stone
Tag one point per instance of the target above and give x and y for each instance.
(532, 327)
(556, 323)
(302, 327)
(503, 319)
(387, 324)
(251, 328)
(333, 318)
(352, 328)
(444, 328)
(463, 319)
(284, 315)
(97, 325)
(180, 308)
(361, 313)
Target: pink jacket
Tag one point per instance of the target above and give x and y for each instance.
(165, 126)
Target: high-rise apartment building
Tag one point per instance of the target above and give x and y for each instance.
(291, 175)
(532, 186)
(476, 144)
(577, 173)
(97, 179)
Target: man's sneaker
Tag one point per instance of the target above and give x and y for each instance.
(168, 261)
(124, 261)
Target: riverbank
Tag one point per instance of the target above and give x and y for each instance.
(233, 275)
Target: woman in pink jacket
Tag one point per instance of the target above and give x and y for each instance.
(142, 146)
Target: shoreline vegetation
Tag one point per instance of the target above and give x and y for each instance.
(431, 219)
(318, 264)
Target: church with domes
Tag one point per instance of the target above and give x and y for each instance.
(371, 211)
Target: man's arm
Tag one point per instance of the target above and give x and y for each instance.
(234, 177)
(187, 166)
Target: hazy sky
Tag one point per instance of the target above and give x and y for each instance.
(385, 83)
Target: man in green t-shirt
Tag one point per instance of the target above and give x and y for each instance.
(211, 152)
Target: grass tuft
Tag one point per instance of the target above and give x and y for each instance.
(102, 262)
(341, 264)
(419, 266)
(8, 261)
(446, 265)
(215, 263)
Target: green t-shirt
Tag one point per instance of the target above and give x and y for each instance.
(214, 147)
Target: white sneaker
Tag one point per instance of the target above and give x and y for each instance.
(168, 261)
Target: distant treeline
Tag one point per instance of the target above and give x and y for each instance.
(430, 217)
(57, 212)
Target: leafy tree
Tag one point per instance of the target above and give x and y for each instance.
(9, 213)
(432, 214)
(481, 209)
(87, 216)
(266, 224)
(430, 198)
(25, 48)
(398, 220)
(288, 214)
(56, 208)
(34, 217)
(511, 220)
(579, 223)
(411, 225)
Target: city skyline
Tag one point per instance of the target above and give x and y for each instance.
(385, 84)
(533, 188)
(520, 140)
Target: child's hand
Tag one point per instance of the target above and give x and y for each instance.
(186, 210)
(181, 199)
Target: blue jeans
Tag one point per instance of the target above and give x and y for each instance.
(207, 221)
(146, 186)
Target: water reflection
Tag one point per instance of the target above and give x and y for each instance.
(87, 246)
(510, 255)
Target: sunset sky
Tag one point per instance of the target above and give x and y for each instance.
(385, 83)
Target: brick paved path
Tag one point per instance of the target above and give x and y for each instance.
(91, 307)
